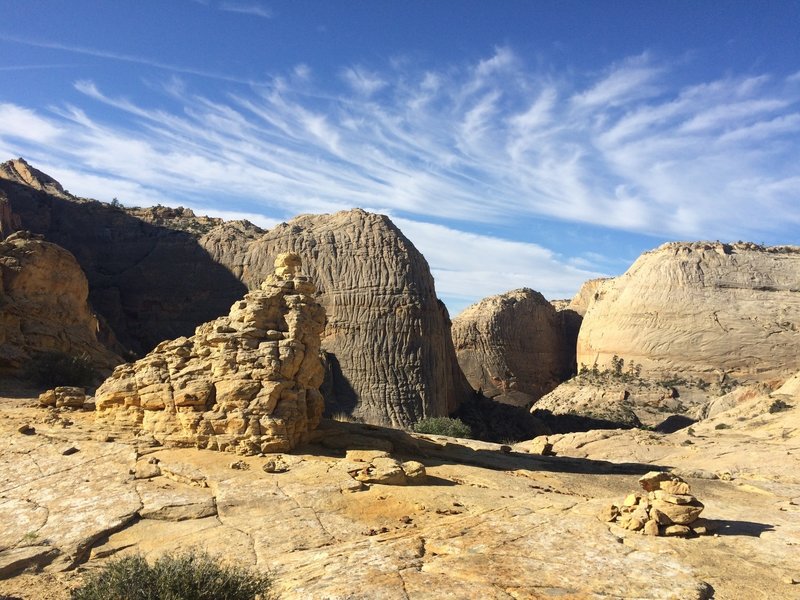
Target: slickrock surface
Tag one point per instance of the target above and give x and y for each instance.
(712, 311)
(248, 382)
(603, 406)
(512, 346)
(43, 305)
(390, 356)
(483, 522)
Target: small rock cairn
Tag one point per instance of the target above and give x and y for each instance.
(666, 508)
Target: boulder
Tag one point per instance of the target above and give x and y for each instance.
(43, 306)
(714, 312)
(512, 347)
(390, 357)
(247, 382)
(63, 397)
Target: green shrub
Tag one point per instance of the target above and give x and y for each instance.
(57, 368)
(443, 426)
(191, 575)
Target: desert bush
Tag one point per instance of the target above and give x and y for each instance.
(57, 368)
(443, 426)
(191, 575)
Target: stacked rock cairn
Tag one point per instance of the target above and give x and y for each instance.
(247, 382)
(666, 508)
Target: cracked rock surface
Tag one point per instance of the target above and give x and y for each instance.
(482, 523)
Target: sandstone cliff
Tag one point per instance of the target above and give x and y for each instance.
(150, 281)
(512, 346)
(711, 311)
(43, 305)
(390, 355)
(248, 382)
(19, 171)
(157, 273)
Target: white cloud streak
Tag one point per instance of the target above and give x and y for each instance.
(471, 145)
(247, 8)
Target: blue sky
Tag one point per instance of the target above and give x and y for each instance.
(516, 143)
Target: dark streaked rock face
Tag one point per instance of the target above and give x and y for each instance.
(513, 346)
(148, 282)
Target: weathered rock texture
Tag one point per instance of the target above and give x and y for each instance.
(43, 305)
(512, 346)
(248, 382)
(387, 341)
(19, 171)
(149, 276)
(589, 292)
(157, 273)
(706, 310)
(666, 508)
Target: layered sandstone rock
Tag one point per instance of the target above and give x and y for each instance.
(247, 382)
(43, 305)
(390, 355)
(711, 311)
(149, 276)
(19, 171)
(512, 346)
(157, 273)
(600, 406)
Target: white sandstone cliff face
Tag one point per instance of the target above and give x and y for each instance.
(512, 346)
(247, 382)
(43, 305)
(711, 311)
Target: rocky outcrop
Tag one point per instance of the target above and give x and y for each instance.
(589, 292)
(710, 311)
(157, 273)
(599, 406)
(19, 171)
(512, 346)
(149, 276)
(390, 357)
(43, 306)
(248, 382)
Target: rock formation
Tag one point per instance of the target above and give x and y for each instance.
(666, 508)
(19, 171)
(43, 305)
(389, 352)
(247, 382)
(711, 311)
(512, 346)
(601, 407)
(149, 276)
(157, 273)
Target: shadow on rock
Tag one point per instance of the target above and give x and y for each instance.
(741, 528)
(334, 438)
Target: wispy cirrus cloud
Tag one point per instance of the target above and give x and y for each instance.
(471, 145)
(126, 58)
(247, 8)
